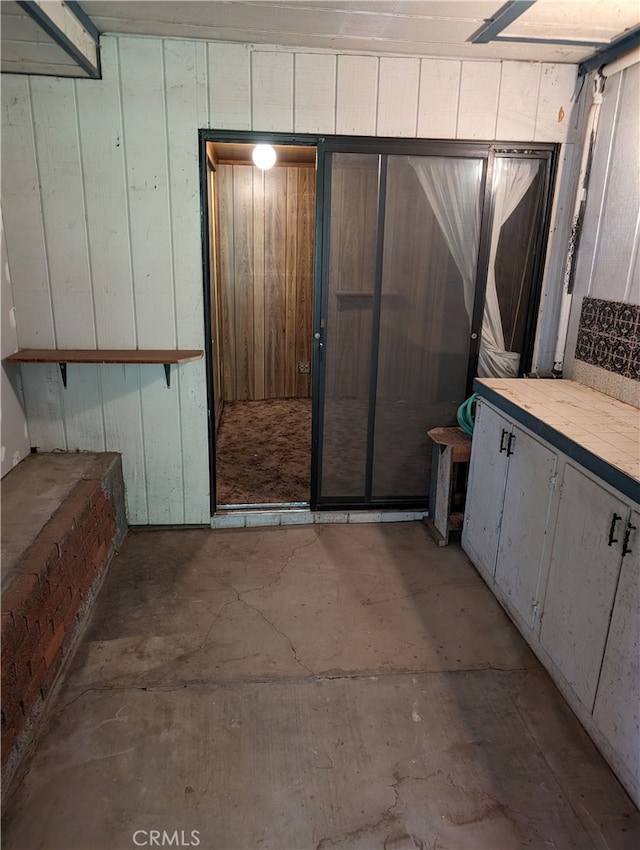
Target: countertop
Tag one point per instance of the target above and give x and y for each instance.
(593, 428)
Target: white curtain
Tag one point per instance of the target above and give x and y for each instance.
(512, 179)
(452, 187)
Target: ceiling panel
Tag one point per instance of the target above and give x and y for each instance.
(406, 27)
(27, 48)
(402, 28)
(588, 20)
(240, 154)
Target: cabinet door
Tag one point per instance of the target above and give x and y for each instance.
(528, 491)
(617, 708)
(485, 491)
(583, 574)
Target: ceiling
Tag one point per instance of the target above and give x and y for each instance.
(233, 153)
(545, 30)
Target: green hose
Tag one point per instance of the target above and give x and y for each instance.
(465, 414)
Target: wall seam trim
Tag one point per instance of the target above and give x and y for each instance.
(172, 265)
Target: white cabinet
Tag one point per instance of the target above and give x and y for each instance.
(560, 549)
(510, 486)
(485, 491)
(525, 517)
(582, 580)
(617, 707)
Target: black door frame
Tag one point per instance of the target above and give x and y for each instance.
(245, 137)
(327, 145)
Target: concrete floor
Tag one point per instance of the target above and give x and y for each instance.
(316, 687)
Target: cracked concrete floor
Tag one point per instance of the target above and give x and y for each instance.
(303, 688)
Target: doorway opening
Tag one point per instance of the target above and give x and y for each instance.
(353, 293)
(261, 257)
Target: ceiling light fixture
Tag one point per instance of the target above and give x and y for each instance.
(264, 156)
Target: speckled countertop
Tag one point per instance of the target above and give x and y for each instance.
(599, 426)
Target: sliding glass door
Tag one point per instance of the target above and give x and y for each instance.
(410, 245)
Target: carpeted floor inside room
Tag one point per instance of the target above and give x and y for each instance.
(263, 452)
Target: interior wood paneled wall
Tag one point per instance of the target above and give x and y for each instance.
(102, 213)
(266, 221)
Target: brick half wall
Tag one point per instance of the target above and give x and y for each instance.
(49, 596)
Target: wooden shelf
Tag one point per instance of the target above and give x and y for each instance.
(62, 356)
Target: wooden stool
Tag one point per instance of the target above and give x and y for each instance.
(450, 446)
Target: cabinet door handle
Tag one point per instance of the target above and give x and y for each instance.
(612, 529)
(512, 438)
(625, 542)
(504, 434)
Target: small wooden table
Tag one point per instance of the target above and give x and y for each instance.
(450, 446)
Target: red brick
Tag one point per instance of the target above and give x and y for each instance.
(16, 599)
(32, 695)
(100, 555)
(41, 559)
(58, 530)
(80, 500)
(10, 732)
(54, 645)
(14, 630)
(103, 497)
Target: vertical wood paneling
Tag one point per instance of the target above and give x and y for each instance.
(554, 116)
(243, 276)
(274, 281)
(23, 215)
(304, 236)
(41, 383)
(56, 136)
(272, 91)
(182, 108)
(82, 408)
(357, 95)
(123, 433)
(618, 212)
(184, 111)
(227, 278)
(258, 283)
(124, 150)
(315, 93)
(162, 446)
(398, 96)
(267, 228)
(143, 106)
(478, 103)
(229, 86)
(519, 86)
(203, 110)
(102, 152)
(290, 294)
(145, 132)
(439, 91)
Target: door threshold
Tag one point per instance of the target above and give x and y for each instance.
(266, 506)
(251, 518)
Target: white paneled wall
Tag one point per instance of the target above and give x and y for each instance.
(15, 434)
(608, 260)
(101, 200)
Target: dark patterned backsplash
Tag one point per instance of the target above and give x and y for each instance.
(609, 336)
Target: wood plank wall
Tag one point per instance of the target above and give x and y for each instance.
(266, 224)
(101, 207)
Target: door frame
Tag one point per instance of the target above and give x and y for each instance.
(327, 144)
(245, 137)
(385, 146)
